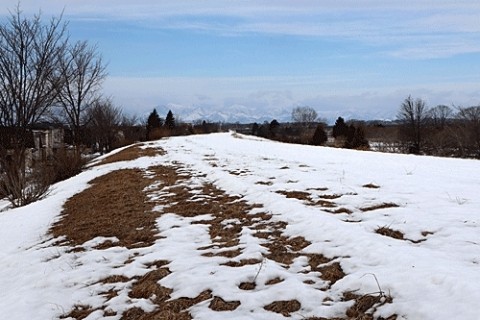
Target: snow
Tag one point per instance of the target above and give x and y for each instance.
(429, 276)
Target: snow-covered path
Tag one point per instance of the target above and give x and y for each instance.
(318, 204)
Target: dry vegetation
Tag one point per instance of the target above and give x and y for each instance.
(118, 205)
(114, 206)
(131, 153)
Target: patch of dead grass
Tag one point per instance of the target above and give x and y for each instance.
(331, 272)
(113, 206)
(366, 305)
(371, 186)
(247, 285)
(284, 307)
(241, 263)
(79, 312)
(218, 304)
(329, 196)
(386, 231)
(299, 195)
(340, 210)
(384, 205)
(274, 281)
(131, 153)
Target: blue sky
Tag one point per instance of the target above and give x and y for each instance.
(345, 57)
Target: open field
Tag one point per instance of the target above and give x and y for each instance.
(225, 226)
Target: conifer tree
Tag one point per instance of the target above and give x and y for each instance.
(153, 122)
(170, 120)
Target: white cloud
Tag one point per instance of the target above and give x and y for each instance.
(419, 29)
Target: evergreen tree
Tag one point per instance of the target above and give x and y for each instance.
(355, 138)
(340, 128)
(170, 120)
(153, 122)
(320, 136)
(273, 126)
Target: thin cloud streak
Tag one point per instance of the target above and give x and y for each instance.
(419, 30)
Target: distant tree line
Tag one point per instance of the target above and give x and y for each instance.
(157, 127)
(439, 130)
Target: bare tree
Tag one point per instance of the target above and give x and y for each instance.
(413, 115)
(29, 82)
(104, 121)
(82, 72)
(439, 115)
(470, 130)
(304, 115)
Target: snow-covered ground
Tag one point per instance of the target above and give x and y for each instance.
(433, 273)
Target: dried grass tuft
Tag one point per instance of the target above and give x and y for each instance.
(340, 210)
(218, 304)
(79, 312)
(384, 205)
(299, 195)
(371, 186)
(332, 272)
(385, 231)
(147, 286)
(247, 285)
(284, 307)
(274, 281)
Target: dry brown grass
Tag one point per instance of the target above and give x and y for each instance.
(218, 304)
(427, 233)
(299, 195)
(323, 203)
(366, 305)
(79, 312)
(131, 153)
(274, 281)
(241, 263)
(284, 307)
(329, 196)
(264, 183)
(371, 186)
(111, 194)
(114, 206)
(332, 272)
(386, 231)
(340, 210)
(384, 205)
(247, 285)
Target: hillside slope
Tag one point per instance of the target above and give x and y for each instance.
(225, 226)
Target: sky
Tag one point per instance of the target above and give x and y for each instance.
(357, 59)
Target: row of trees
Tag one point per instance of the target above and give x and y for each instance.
(307, 128)
(44, 76)
(440, 130)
